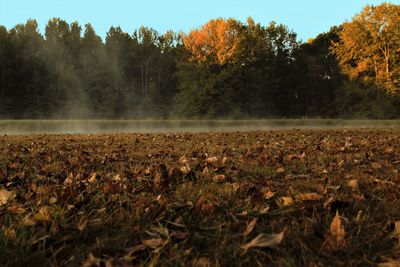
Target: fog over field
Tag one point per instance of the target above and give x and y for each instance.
(11, 127)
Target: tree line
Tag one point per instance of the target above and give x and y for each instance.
(224, 69)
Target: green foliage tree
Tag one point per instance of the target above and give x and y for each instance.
(224, 69)
(235, 70)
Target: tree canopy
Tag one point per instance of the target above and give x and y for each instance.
(226, 68)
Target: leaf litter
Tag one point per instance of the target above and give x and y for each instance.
(204, 199)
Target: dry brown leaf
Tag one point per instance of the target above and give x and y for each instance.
(153, 243)
(211, 159)
(180, 234)
(353, 184)
(280, 170)
(117, 178)
(132, 250)
(185, 169)
(183, 160)
(201, 262)
(43, 215)
(92, 178)
(82, 223)
(285, 201)
(91, 261)
(308, 197)
(335, 238)
(29, 221)
(329, 201)
(69, 180)
(391, 263)
(250, 227)
(268, 194)
(263, 240)
(6, 196)
(389, 150)
(16, 210)
(219, 178)
(207, 209)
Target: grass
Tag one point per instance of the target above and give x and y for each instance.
(179, 199)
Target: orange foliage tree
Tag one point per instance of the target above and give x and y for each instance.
(218, 41)
(369, 47)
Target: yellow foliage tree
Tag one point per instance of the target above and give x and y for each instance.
(369, 47)
(216, 42)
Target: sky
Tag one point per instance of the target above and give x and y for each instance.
(307, 18)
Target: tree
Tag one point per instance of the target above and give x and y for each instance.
(318, 76)
(217, 41)
(229, 69)
(4, 50)
(368, 49)
(118, 53)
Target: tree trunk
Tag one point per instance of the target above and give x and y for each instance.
(146, 78)
(116, 84)
(158, 86)
(58, 79)
(142, 76)
(3, 84)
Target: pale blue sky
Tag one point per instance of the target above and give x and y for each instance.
(306, 17)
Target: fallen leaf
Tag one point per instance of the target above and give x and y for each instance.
(268, 194)
(43, 215)
(376, 165)
(353, 183)
(263, 240)
(16, 210)
(6, 196)
(201, 262)
(280, 170)
(335, 237)
(69, 180)
(285, 201)
(207, 209)
(92, 178)
(389, 150)
(91, 261)
(185, 169)
(29, 221)
(391, 263)
(308, 197)
(183, 160)
(82, 224)
(132, 250)
(250, 227)
(329, 201)
(117, 178)
(322, 190)
(153, 243)
(180, 234)
(211, 159)
(219, 178)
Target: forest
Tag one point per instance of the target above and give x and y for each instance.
(225, 69)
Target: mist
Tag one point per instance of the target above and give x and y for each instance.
(28, 127)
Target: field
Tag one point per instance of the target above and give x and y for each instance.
(256, 198)
(160, 126)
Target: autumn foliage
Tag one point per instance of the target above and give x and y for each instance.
(369, 46)
(216, 41)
